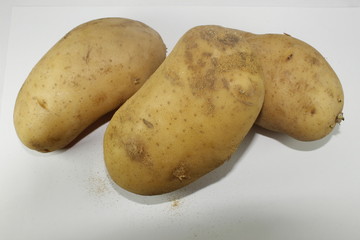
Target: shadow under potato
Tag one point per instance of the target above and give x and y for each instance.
(292, 142)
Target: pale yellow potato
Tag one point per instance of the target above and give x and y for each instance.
(189, 117)
(89, 72)
(304, 97)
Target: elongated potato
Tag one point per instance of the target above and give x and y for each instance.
(189, 117)
(89, 72)
(304, 97)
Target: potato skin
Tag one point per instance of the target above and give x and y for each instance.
(303, 97)
(89, 72)
(189, 117)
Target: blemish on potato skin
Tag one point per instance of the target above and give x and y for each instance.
(147, 123)
(78, 116)
(329, 92)
(105, 70)
(42, 103)
(86, 58)
(135, 149)
(201, 63)
(181, 172)
(313, 111)
(240, 61)
(289, 57)
(312, 60)
(188, 57)
(208, 107)
(67, 35)
(136, 81)
(225, 83)
(99, 98)
(229, 40)
(220, 41)
(203, 83)
(173, 77)
(208, 35)
(206, 54)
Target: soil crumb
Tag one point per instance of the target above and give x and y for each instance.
(98, 186)
(175, 203)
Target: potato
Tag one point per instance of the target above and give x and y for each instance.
(89, 72)
(303, 97)
(189, 117)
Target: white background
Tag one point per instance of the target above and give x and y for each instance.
(273, 188)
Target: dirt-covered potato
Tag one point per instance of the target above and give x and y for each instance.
(189, 117)
(89, 72)
(303, 97)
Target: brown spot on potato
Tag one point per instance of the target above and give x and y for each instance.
(214, 61)
(99, 98)
(202, 83)
(136, 80)
(191, 44)
(206, 54)
(240, 60)
(181, 172)
(42, 103)
(220, 41)
(86, 58)
(229, 40)
(200, 63)
(67, 35)
(173, 77)
(78, 116)
(312, 60)
(188, 57)
(73, 84)
(225, 83)
(209, 107)
(208, 35)
(135, 149)
(106, 70)
(289, 57)
(329, 92)
(147, 123)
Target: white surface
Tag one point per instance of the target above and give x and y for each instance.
(273, 188)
